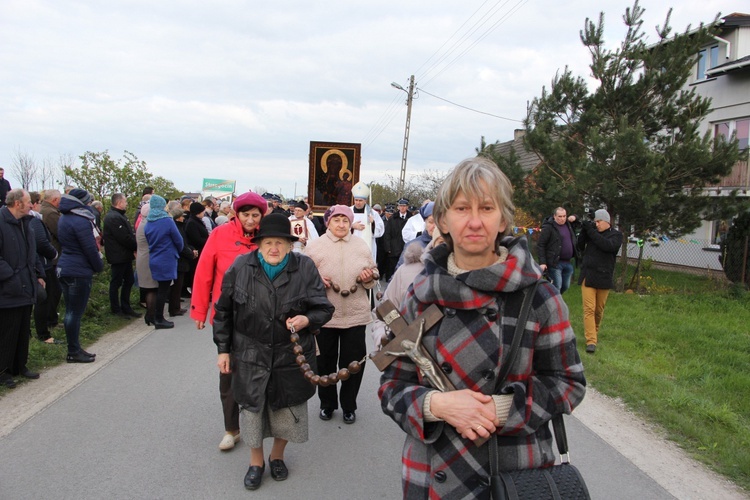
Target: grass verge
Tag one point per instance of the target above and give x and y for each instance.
(680, 357)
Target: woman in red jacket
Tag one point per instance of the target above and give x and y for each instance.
(225, 244)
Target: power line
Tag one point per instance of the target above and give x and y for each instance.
(471, 109)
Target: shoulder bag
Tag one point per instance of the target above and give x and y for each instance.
(558, 482)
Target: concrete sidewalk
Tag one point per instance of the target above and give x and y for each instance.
(144, 421)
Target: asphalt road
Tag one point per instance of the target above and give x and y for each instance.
(144, 422)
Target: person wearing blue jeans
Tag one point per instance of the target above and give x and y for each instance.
(79, 260)
(76, 292)
(557, 247)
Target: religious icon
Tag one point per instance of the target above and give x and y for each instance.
(334, 169)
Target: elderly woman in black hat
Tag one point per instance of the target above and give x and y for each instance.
(265, 296)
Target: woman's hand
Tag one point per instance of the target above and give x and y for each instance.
(200, 325)
(471, 413)
(298, 322)
(223, 363)
(366, 275)
(326, 281)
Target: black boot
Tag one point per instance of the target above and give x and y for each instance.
(161, 324)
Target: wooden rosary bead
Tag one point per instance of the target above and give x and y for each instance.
(354, 367)
(353, 288)
(301, 360)
(335, 287)
(309, 374)
(294, 338)
(344, 374)
(344, 293)
(315, 379)
(305, 367)
(324, 382)
(379, 295)
(333, 377)
(359, 280)
(298, 349)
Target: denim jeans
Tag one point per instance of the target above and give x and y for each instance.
(561, 275)
(76, 292)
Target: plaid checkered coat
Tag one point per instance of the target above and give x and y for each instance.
(470, 345)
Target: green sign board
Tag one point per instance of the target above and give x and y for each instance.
(220, 185)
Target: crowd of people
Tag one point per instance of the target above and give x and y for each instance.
(290, 295)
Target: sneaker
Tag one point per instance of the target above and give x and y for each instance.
(228, 441)
(591, 348)
(350, 417)
(326, 414)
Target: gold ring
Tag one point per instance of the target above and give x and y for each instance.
(480, 427)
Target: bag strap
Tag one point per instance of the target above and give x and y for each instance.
(528, 296)
(558, 424)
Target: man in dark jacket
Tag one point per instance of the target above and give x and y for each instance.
(393, 241)
(48, 255)
(4, 187)
(120, 247)
(557, 247)
(51, 216)
(20, 269)
(599, 244)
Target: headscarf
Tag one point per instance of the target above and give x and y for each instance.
(157, 211)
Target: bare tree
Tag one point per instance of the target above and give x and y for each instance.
(46, 175)
(65, 162)
(24, 168)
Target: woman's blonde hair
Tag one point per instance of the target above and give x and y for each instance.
(475, 178)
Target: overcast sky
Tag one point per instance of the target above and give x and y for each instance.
(237, 90)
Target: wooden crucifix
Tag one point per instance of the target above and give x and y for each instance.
(408, 342)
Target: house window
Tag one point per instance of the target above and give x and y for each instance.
(741, 127)
(721, 130)
(743, 131)
(707, 58)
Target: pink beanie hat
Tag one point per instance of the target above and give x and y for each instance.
(338, 210)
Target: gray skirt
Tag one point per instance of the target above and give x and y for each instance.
(287, 423)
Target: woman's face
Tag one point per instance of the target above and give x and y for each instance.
(339, 225)
(474, 226)
(429, 225)
(274, 249)
(249, 219)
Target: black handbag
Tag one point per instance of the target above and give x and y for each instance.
(558, 482)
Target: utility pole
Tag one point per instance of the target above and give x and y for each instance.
(409, 98)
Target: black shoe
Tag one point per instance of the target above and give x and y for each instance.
(178, 313)
(349, 417)
(254, 476)
(161, 324)
(7, 381)
(326, 414)
(591, 348)
(26, 373)
(149, 321)
(89, 354)
(279, 472)
(129, 313)
(80, 357)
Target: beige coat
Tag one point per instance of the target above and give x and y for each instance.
(342, 260)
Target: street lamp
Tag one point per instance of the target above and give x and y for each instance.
(409, 98)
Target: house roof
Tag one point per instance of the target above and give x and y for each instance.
(527, 159)
(743, 62)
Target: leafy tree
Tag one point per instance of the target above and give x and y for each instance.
(631, 144)
(103, 176)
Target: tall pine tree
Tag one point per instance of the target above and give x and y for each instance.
(632, 144)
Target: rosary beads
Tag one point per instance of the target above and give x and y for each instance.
(321, 380)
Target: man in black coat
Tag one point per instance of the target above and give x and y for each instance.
(20, 270)
(557, 247)
(120, 247)
(4, 187)
(393, 241)
(599, 244)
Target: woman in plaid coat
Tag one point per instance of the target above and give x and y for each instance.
(473, 278)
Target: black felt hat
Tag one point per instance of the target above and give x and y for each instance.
(275, 226)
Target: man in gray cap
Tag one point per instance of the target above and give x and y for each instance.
(599, 244)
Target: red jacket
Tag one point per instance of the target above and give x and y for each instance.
(225, 243)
